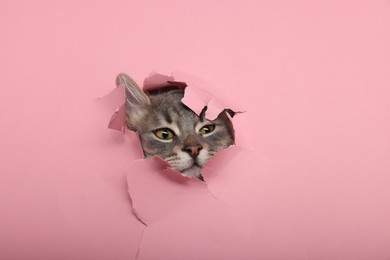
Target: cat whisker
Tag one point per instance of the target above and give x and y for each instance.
(172, 159)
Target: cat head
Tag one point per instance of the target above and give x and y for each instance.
(172, 131)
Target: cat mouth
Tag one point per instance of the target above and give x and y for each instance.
(194, 165)
(193, 170)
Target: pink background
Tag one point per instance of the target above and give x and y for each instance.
(310, 181)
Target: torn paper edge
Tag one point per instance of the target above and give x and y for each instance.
(196, 97)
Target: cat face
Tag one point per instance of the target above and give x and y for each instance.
(172, 131)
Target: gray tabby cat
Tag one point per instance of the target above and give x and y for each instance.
(171, 130)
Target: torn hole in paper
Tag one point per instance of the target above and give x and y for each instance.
(182, 125)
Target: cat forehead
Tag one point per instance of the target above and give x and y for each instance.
(170, 108)
(166, 100)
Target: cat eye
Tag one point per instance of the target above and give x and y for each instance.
(164, 133)
(206, 129)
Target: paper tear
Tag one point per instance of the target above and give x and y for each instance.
(154, 166)
(186, 213)
(200, 94)
(156, 80)
(141, 168)
(140, 243)
(196, 97)
(139, 218)
(158, 192)
(117, 120)
(181, 213)
(134, 210)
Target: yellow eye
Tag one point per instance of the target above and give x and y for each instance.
(164, 133)
(206, 129)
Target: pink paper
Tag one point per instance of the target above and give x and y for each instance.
(186, 215)
(307, 179)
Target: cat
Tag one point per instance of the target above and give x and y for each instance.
(171, 130)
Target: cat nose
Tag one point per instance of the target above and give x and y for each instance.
(193, 150)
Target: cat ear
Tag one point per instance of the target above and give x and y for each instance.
(137, 102)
